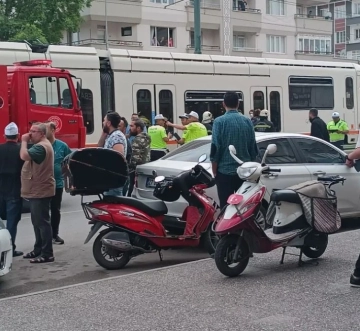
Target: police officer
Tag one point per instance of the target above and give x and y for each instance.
(337, 129)
(207, 121)
(263, 124)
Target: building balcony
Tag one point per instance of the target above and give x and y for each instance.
(246, 52)
(205, 49)
(123, 11)
(354, 19)
(313, 24)
(248, 20)
(210, 14)
(101, 44)
(320, 56)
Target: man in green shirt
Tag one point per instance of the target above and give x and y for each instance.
(194, 129)
(61, 150)
(158, 137)
(337, 130)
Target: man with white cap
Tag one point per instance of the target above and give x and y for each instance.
(159, 138)
(10, 183)
(194, 129)
(337, 130)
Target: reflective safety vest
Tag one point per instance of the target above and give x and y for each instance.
(341, 126)
(263, 125)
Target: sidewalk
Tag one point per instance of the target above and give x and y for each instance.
(195, 296)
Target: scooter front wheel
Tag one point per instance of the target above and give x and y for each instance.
(228, 264)
(108, 258)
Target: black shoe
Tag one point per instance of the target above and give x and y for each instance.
(354, 281)
(58, 241)
(17, 253)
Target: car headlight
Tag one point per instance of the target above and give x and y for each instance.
(2, 225)
(246, 172)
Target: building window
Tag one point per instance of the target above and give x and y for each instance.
(162, 37)
(349, 93)
(340, 11)
(167, 2)
(340, 37)
(101, 33)
(354, 55)
(357, 34)
(308, 92)
(126, 32)
(314, 44)
(356, 9)
(239, 42)
(275, 7)
(192, 38)
(275, 44)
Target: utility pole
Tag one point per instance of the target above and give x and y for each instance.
(197, 27)
(106, 27)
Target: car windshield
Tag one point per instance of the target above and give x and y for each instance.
(197, 147)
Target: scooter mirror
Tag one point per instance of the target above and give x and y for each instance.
(154, 173)
(202, 158)
(159, 179)
(232, 149)
(272, 148)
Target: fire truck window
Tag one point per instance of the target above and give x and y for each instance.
(65, 95)
(44, 91)
(86, 101)
(143, 98)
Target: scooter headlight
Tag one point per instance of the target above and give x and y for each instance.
(246, 172)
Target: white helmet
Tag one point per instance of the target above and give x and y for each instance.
(264, 113)
(207, 117)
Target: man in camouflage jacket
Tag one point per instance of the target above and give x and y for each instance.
(140, 150)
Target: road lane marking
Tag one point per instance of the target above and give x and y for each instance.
(102, 280)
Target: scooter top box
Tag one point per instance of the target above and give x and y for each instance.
(92, 171)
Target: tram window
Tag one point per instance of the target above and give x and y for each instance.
(311, 92)
(349, 93)
(259, 100)
(87, 107)
(166, 107)
(143, 100)
(212, 101)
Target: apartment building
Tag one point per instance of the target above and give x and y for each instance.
(299, 29)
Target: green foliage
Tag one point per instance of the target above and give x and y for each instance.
(43, 20)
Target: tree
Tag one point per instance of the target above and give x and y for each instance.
(44, 20)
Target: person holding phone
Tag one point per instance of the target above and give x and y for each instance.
(159, 138)
(337, 129)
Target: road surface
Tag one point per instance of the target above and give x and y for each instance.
(74, 262)
(195, 296)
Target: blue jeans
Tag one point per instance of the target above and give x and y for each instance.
(115, 192)
(10, 209)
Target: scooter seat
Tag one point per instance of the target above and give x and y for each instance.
(150, 207)
(285, 196)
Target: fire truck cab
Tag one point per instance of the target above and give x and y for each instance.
(33, 91)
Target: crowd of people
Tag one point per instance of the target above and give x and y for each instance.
(32, 171)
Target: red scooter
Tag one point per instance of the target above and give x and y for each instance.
(134, 226)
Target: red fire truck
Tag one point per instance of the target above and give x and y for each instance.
(33, 91)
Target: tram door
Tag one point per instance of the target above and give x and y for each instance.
(270, 98)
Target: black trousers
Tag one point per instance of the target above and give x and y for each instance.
(156, 154)
(226, 185)
(131, 183)
(55, 207)
(339, 144)
(40, 218)
(357, 267)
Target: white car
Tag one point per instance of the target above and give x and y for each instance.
(300, 158)
(6, 250)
